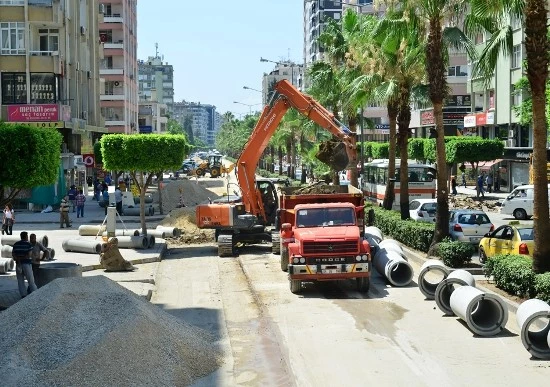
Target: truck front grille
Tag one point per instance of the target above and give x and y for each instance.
(330, 247)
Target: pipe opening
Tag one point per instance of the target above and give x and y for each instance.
(538, 330)
(429, 279)
(443, 295)
(487, 315)
(401, 274)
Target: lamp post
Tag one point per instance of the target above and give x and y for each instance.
(251, 88)
(247, 104)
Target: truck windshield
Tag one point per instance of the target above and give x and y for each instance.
(323, 217)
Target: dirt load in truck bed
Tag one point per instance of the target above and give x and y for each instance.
(317, 189)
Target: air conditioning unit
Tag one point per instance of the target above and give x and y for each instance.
(101, 8)
(84, 115)
(510, 143)
(82, 30)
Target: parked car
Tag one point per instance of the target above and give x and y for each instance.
(187, 166)
(508, 239)
(423, 210)
(520, 202)
(469, 225)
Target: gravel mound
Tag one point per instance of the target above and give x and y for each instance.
(190, 192)
(91, 331)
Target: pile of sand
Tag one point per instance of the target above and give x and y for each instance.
(185, 220)
(91, 331)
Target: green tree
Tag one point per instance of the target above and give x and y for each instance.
(140, 155)
(494, 16)
(30, 158)
(174, 127)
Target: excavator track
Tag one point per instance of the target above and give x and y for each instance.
(225, 245)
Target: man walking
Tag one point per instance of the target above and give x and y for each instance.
(80, 199)
(21, 253)
(480, 181)
(64, 213)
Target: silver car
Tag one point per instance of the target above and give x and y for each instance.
(469, 225)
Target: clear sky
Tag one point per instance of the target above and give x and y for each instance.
(215, 46)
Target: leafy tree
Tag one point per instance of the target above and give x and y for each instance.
(524, 111)
(174, 127)
(188, 127)
(30, 158)
(143, 155)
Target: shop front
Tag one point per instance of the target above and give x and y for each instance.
(512, 170)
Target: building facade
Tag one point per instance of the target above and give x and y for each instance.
(288, 70)
(156, 79)
(49, 69)
(118, 67)
(316, 14)
(205, 120)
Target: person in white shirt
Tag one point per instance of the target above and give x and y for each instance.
(8, 218)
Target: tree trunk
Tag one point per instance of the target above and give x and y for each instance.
(272, 152)
(159, 190)
(353, 176)
(442, 195)
(537, 47)
(389, 194)
(280, 154)
(404, 120)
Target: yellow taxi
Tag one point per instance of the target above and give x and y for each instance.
(507, 239)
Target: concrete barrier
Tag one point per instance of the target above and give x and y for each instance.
(533, 318)
(51, 271)
(394, 267)
(446, 288)
(484, 313)
(82, 246)
(431, 274)
(9, 240)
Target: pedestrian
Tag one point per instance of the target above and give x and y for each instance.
(108, 179)
(37, 247)
(72, 197)
(8, 219)
(497, 182)
(489, 181)
(118, 200)
(80, 199)
(453, 185)
(97, 189)
(480, 190)
(21, 253)
(464, 179)
(64, 213)
(105, 199)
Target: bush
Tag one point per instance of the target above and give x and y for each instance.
(513, 274)
(542, 286)
(416, 235)
(455, 253)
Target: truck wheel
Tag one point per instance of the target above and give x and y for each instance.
(214, 172)
(295, 286)
(276, 242)
(363, 284)
(520, 214)
(284, 258)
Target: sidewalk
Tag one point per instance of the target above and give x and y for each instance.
(471, 191)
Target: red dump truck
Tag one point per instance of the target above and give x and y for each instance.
(321, 236)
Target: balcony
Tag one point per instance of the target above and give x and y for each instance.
(111, 71)
(43, 53)
(117, 45)
(108, 122)
(112, 97)
(113, 18)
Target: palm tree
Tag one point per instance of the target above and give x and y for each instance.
(494, 16)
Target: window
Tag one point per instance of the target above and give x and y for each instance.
(516, 23)
(12, 2)
(43, 88)
(49, 39)
(516, 56)
(14, 88)
(12, 38)
(457, 71)
(516, 96)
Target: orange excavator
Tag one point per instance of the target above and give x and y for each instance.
(247, 221)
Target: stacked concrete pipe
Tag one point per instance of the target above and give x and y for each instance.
(11, 239)
(151, 241)
(91, 230)
(434, 269)
(533, 318)
(6, 264)
(390, 262)
(374, 236)
(176, 232)
(5, 251)
(484, 313)
(159, 233)
(446, 288)
(132, 242)
(135, 211)
(123, 233)
(82, 246)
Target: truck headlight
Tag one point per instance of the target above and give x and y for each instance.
(295, 260)
(365, 257)
(302, 260)
(358, 258)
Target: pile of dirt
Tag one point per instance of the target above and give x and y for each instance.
(185, 220)
(320, 188)
(92, 331)
(467, 202)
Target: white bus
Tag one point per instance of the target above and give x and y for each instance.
(421, 181)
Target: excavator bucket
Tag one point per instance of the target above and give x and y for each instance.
(333, 153)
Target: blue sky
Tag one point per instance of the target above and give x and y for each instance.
(215, 46)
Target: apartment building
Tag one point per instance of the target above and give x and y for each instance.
(49, 73)
(152, 117)
(118, 68)
(286, 69)
(156, 82)
(316, 14)
(205, 120)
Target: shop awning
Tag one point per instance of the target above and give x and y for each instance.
(488, 164)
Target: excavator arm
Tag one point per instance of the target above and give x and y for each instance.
(285, 97)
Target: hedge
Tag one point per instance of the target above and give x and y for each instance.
(514, 274)
(455, 253)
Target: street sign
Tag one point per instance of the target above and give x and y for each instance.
(88, 160)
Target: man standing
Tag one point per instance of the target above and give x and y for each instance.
(21, 253)
(72, 197)
(80, 199)
(489, 181)
(480, 181)
(37, 247)
(118, 200)
(64, 213)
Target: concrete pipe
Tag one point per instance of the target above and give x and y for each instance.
(485, 313)
(9, 240)
(393, 245)
(82, 246)
(375, 233)
(394, 267)
(533, 317)
(123, 233)
(151, 241)
(51, 254)
(135, 211)
(132, 242)
(447, 287)
(148, 199)
(91, 230)
(51, 271)
(5, 251)
(159, 233)
(6, 264)
(431, 274)
(176, 232)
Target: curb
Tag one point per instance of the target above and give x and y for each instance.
(417, 258)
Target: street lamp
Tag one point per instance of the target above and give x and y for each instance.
(251, 88)
(249, 105)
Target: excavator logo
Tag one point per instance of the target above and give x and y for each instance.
(269, 122)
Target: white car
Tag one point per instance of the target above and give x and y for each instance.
(423, 210)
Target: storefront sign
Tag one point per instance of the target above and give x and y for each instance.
(453, 118)
(382, 126)
(427, 118)
(29, 113)
(458, 100)
(490, 118)
(53, 124)
(470, 121)
(481, 119)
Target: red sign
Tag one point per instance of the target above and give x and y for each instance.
(29, 113)
(481, 119)
(427, 118)
(88, 159)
